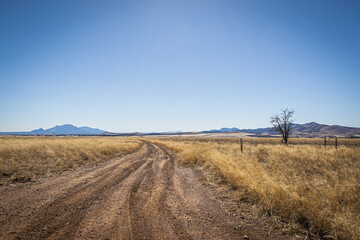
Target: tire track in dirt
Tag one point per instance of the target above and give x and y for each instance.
(147, 207)
(144, 195)
(62, 216)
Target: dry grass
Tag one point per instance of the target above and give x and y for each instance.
(24, 158)
(349, 142)
(309, 185)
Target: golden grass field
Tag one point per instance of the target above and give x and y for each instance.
(303, 183)
(307, 185)
(349, 142)
(24, 158)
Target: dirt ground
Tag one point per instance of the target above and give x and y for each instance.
(145, 195)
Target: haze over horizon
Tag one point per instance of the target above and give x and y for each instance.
(148, 66)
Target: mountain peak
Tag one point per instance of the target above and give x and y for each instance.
(312, 124)
(65, 125)
(229, 129)
(68, 129)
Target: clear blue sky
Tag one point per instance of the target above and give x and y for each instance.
(177, 65)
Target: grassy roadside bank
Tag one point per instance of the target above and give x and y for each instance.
(308, 185)
(25, 158)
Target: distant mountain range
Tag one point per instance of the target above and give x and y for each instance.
(66, 129)
(311, 129)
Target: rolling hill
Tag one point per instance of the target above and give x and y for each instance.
(66, 129)
(311, 129)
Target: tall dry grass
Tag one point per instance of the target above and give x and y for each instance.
(316, 187)
(349, 142)
(24, 158)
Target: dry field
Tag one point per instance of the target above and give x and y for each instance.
(143, 195)
(310, 186)
(348, 142)
(24, 158)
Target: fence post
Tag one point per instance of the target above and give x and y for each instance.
(336, 142)
(325, 142)
(241, 144)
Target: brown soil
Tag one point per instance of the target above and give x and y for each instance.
(145, 195)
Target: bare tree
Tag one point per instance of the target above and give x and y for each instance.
(283, 123)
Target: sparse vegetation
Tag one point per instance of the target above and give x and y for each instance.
(309, 185)
(23, 158)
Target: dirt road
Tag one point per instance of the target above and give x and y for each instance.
(145, 195)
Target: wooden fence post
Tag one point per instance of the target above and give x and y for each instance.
(336, 142)
(325, 142)
(241, 144)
